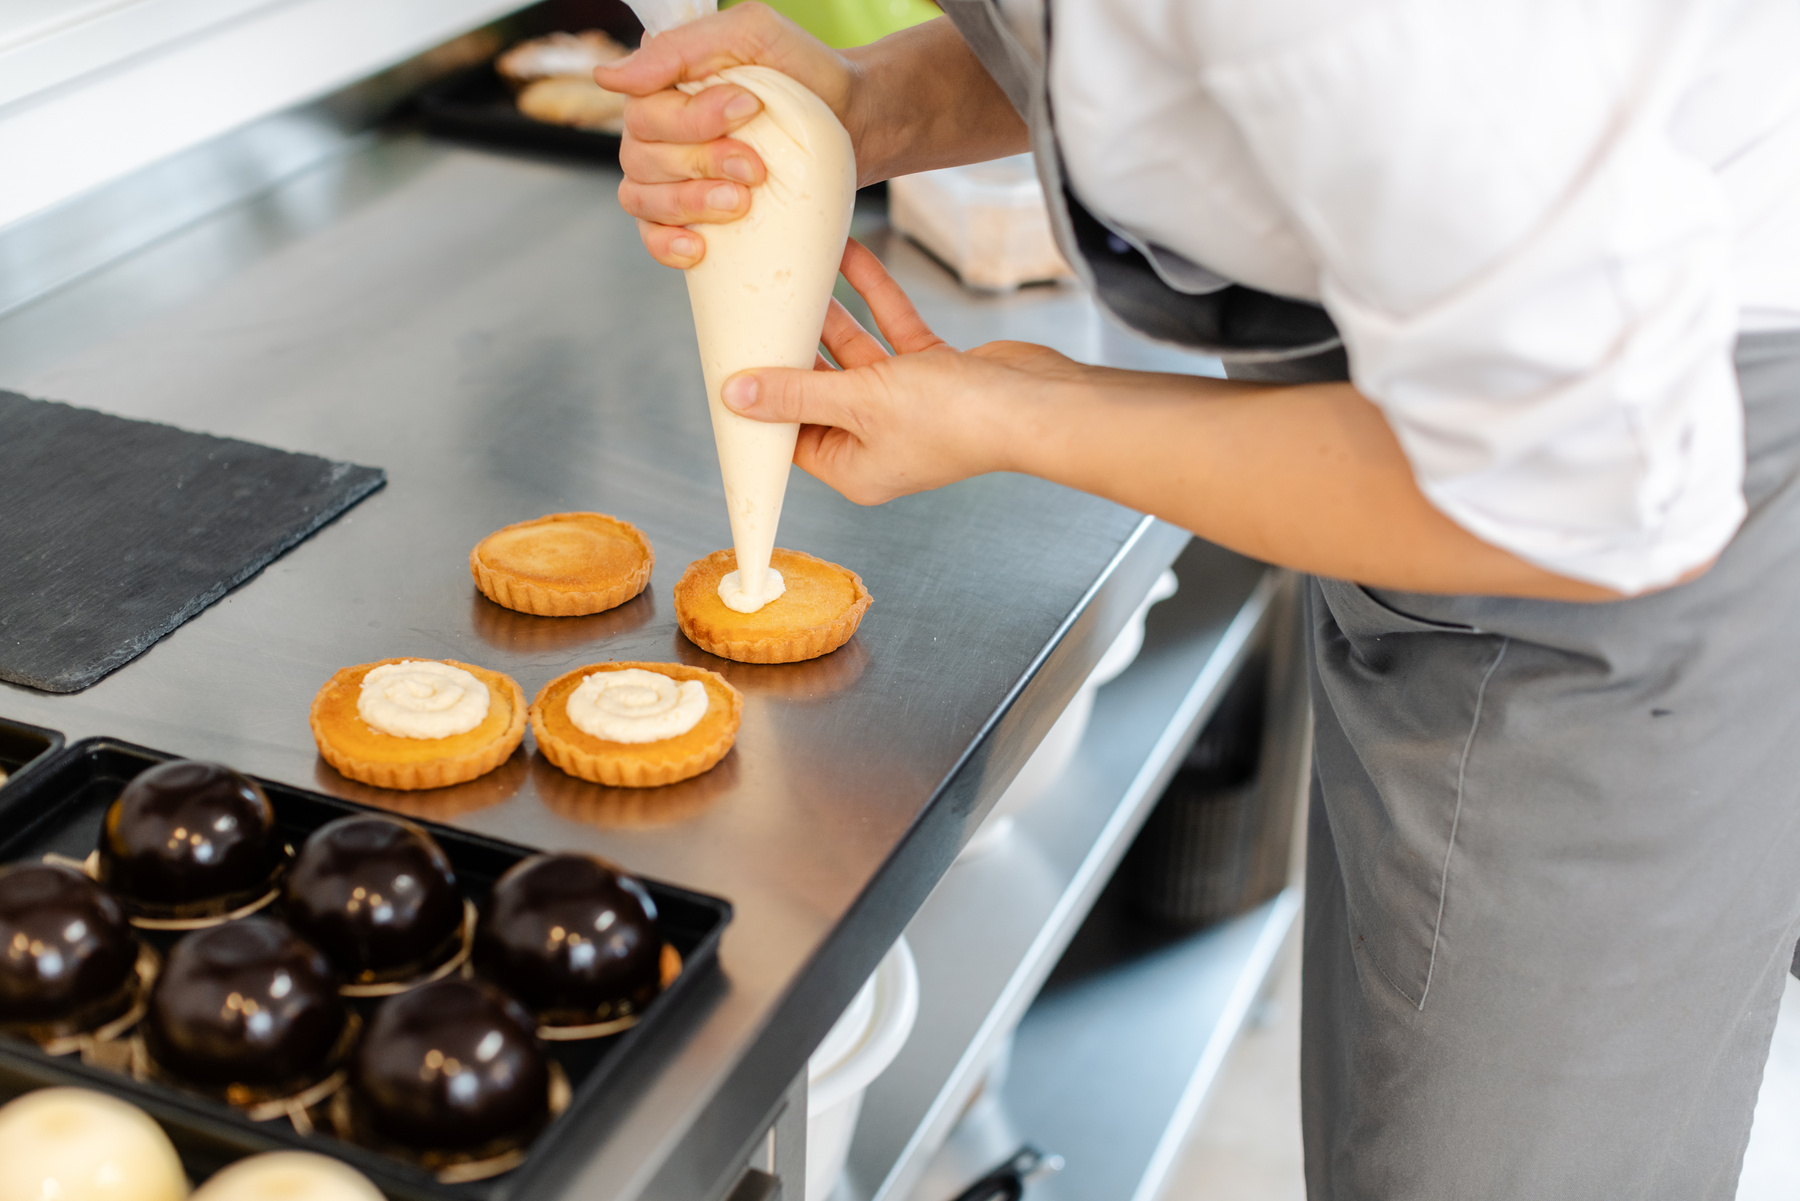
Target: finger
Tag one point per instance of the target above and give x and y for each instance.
(673, 116)
(745, 33)
(894, 314)
(672, 162)
(671, 245)
(697, 200)
(790, 394)
(821, 363)
(849, 343)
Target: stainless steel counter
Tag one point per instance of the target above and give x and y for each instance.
(488, 330)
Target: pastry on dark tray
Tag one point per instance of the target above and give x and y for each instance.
(78, 1144)
(377, 895)
(189, 843)
(554, 78)
(450, 1075)
(577, 941)
(288, 1176)
(577, 103)
(247, 1010)
(558, 54)
(69, 959)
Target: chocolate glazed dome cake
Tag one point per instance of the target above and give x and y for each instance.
(451, 1065)
(245, 1003)
(573, 938)
(377, 895)
(188, 835)
(66, 950)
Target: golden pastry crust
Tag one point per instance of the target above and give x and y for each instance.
(563, 565)
(819, 612)
(574, 101)
(363, 753)
(636, 764)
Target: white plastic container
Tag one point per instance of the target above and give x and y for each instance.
(986, 221)
(857, 1049)
(1057, 748)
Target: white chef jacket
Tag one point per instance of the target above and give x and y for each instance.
(1539, 226)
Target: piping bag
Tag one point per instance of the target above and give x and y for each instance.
(760, 293)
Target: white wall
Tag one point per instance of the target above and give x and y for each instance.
(91, 90)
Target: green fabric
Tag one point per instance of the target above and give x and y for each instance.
(845, 23)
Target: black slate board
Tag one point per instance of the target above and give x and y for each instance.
(477, 106)
(113, 532)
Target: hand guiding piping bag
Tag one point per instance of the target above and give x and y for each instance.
(760, 293)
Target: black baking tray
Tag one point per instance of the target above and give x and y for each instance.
(476, 105)
(59, 808)
(22, 747)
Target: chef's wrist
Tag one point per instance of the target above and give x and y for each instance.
(919, 99)
(1027, 431)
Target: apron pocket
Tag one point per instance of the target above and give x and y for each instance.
(1398, 701)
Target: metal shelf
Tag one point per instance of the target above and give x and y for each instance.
(1110, 1069)
(991, 932)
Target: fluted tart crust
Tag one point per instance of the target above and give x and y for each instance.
(363, 753)
(563, 565)
(819, 612)
(636, 764)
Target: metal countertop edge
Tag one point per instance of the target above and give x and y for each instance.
(778, 1051)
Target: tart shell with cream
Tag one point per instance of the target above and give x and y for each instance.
(563, 565)
(370, 755)
(818, 612)
(637, 764)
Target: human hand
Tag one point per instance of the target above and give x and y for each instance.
(681, 165)
(927, 415)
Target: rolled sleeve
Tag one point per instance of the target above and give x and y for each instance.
(1532, 281)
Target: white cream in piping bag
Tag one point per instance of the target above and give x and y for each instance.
(422, 698)
(759, 299)
(634, 705)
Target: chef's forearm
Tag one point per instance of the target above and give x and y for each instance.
(1306, 477)
(921, 100)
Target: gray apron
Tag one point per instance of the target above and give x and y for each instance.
(1553, 869)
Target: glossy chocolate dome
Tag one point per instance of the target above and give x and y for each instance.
(377, 895)
(451, 1064)
(182, 833)
(573, 938)
(248, 1002)
(65, 945)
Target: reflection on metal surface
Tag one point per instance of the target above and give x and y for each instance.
(432, 804)
(814, 680)
(527, 634)
(631, 808)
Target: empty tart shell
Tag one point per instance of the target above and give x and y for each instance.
(819, 612)
(563, 565)
(637, 764)
(363, 753)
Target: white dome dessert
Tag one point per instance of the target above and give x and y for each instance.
(75, 1144)
(288, 1176)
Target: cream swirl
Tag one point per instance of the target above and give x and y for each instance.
(422, 698)
(634, 705)
(738, 599)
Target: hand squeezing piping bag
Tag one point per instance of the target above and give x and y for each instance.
(759, 295)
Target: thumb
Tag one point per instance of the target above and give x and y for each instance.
(789, 394)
